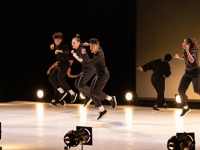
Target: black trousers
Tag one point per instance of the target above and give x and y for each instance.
(158, 82)
(56, 95)
(96, 87)
(58, 77)
(184, 84)
(81, 82)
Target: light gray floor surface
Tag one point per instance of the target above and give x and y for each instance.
(39, 126)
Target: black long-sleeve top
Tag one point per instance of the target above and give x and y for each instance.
(159, 67)
(98, 61)
(62, 58)
(191, 67)
(85, 58)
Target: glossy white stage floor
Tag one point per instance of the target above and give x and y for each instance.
(38, 126)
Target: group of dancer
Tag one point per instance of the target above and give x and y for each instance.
(90, 67)
(161, 69)
(97, 66)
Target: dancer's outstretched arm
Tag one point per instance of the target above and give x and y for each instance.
(52, 66)
(147, 66)
(178, 57)
(69, 74)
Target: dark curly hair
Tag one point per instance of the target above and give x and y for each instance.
(57, 35)
(193, 43)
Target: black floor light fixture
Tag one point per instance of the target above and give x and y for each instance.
(182, 141)
(82, 136)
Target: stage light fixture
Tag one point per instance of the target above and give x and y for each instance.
(82, 136)
(182, 141)
(81, 96)
(177, 98)
(40, 94)
(129, 96)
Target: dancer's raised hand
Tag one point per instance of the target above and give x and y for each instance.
(139, 68)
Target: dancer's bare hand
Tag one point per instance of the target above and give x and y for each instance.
(75, 55)
(83, 51)
(72, 51)
(139, 68)
(176, 56)
(58, 51)
(86, 44)
(187, 47)
(52, 46)
(48, 72)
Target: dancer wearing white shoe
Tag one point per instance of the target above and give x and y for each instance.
(192, 71)
(87, 72)
(101, 78)
(57, 95)
(57, 76)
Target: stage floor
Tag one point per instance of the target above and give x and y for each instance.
(39, 126)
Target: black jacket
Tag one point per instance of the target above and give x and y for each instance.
(62, 58)
(85, 58)
(191, 67)
(98, 61)
(159, 67)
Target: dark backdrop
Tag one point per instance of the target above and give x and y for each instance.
(26, 33)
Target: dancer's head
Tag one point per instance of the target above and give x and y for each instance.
(94, 45)
(168, 57)
(57, 37)
(191, 42)
(76, 41)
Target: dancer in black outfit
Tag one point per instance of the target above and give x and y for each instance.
(161, 69)
(57, 76)
(101, 78)
(86, 73)
(68, 71)
(192, 71)
(68, 74)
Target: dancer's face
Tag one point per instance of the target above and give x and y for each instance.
(94, 48)
(57, 41)
(185, 43)
(75, 44)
